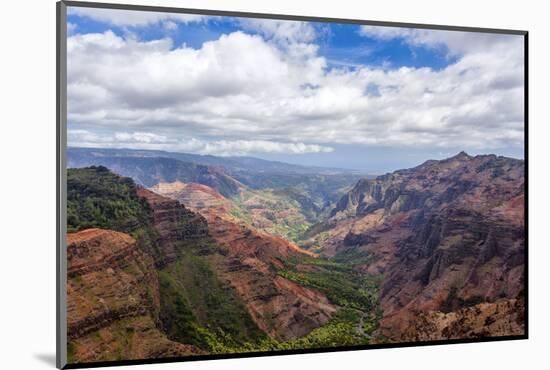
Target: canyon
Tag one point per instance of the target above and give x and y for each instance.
(445, 235)
(248, 260)
(187, 258)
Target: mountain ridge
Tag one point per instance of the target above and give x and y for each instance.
(445, 235)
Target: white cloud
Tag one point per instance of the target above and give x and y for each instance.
(140, 137)
(84, 136)
(170, 25)
(148, 140)
(458, 43)
(288, 32)
(132, 18)
(242, 147)
(241, 92)
(385, 33)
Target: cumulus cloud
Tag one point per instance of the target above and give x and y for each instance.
(280, 31)
(241, 92)
(132, 18)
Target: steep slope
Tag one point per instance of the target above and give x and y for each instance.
(176, 227)
(113, 300)
(193, 297)
(445, 235)
(249, 260)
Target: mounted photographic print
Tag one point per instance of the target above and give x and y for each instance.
(236, 184)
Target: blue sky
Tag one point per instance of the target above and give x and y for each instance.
(340, 95)
(341, 44)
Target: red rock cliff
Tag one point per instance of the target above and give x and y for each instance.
(113, 300)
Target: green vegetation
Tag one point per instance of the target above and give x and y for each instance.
(98, 198)
(358, 315)
(225, 185)
(355, 294)
(197, 309)
(347, 328)
(339, 282)
(318, 188)
(290, 228)
(202, 312)
(274, 212)
(240, 214)
(342, 330)
(310, 207)
(353, 256)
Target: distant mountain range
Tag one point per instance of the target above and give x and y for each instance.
(226, 175)
(231, 164)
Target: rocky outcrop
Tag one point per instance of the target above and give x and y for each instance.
(445, 235)
(503, 318)
(113, 300)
